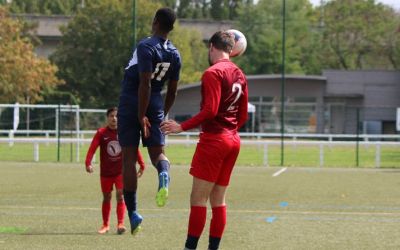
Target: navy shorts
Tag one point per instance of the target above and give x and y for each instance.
(130, 131)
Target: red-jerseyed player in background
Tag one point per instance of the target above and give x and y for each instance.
(110, 169)
(223, 111)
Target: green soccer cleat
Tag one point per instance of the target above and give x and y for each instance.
(162, 194)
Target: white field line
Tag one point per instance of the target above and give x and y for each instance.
(279, 172)
(245, 211)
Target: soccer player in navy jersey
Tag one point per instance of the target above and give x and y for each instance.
(110, 169)
(223, 111)
(142, 109)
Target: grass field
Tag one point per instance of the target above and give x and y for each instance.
(57, 206)
(298, 156)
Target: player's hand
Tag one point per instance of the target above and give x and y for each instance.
(140, 172)
(145, 123)
(171, 127)
(89, 169)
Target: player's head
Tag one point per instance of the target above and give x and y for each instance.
(164, 20)
(112, 117)
(220, 45)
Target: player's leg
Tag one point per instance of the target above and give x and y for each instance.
(130, 186)
(161, 163)
(106, 188)
(155, 146)
(217, 196)
(218, 219)
(201, 190)
(120, 204)
(205, 170)
(129, 138)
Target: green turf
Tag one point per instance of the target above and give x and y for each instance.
(299, 156)
(58, 207)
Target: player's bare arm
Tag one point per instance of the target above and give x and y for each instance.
(171, 94)
(144, 98)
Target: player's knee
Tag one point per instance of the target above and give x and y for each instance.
(120, 196)
(217, 196)
(120, 199)
(158, 158)
(156, 155)
(198, 199)
(217, 201)
(106, 197)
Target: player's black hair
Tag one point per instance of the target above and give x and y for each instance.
(166, 18)
(111, 110)
(222, 40)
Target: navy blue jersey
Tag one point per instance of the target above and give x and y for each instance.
(153, 54)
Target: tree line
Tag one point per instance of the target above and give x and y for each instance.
(87, 66)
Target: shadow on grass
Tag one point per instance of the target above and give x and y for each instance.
(49, 233)
(60, 233)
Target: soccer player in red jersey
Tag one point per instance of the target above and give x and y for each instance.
(223, 111)
(110, 169)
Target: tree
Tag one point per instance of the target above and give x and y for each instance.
(173, 4)
(193, 9)
(23, 76)
(391, 40)
(262, 25)
(226, 9)
(97, 44)
(58, 7)
(193, 52)
(357, 33)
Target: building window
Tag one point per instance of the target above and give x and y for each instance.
(300, 114)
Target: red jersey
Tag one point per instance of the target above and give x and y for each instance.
(110, 152)
(224, 99)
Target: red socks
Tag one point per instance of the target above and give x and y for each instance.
(105, 210)
(218, 221)
(121, 211)
(197, 220)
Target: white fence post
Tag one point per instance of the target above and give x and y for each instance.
(36, 152)
(266, 154)
(47, 137)
(378, 155)
(77, 144)
(188, 140)
(11, 138)
(321, 155)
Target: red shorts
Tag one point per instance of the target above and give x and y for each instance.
(108, 182)
(215, 157)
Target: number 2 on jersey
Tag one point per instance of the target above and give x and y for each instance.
(160, 70)
(235, 87)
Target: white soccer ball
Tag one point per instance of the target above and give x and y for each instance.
(240, 43)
